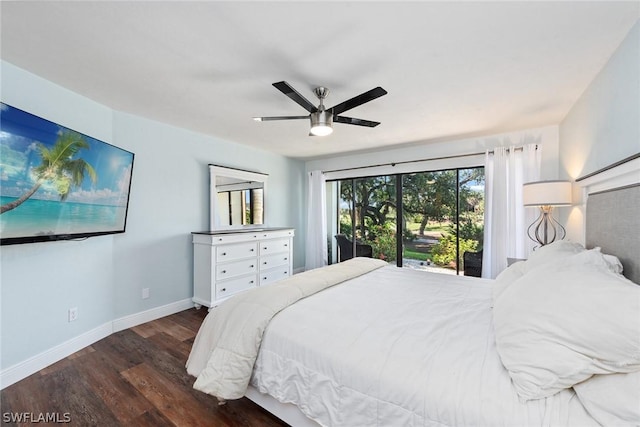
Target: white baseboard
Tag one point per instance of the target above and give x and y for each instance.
(136, 319)
(23, 369)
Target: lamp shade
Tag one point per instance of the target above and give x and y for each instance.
(547, 193)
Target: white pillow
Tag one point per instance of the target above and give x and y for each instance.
(552, 253)
(613, 400)
(507, 277)
(613, 262)
(557, 326)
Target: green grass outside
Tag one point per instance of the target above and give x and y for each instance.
(422, 256)
(432, 226)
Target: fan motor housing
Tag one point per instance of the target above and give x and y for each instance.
(321, 122)
(321, 118)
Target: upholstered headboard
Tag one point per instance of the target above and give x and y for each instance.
(613, 223)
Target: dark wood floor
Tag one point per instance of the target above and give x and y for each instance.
(135, 377)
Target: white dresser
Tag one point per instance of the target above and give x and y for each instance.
(228, 262)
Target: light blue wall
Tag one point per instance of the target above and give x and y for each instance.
(41, 281)
(603, 126)
(169, 199)
(103, 276)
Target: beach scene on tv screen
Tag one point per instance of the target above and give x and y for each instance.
(56, 181)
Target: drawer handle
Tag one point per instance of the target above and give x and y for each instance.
(264, 278)
(265, 248)
(224, 253)
(285, 258)
(223, 289)
(224, 271)
(251, 250)
(264, 263)
(286, 244)
(251, 282)
(251, 266)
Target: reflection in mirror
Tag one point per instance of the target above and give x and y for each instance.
(237, 198)
(239, 206)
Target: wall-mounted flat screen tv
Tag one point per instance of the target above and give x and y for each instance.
(58, 184)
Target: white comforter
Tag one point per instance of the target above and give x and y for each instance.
(226, 347)
(397, 347)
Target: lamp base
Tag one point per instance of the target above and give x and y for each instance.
(546, 229)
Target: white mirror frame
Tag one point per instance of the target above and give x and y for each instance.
(214, 172)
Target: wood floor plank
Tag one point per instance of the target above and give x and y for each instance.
(119, 395)
(139, 350)
(145, 351)
(174, 403)
(152, 418)
(125, 349)
(244, 412)
(27, 395)
(178, 349)
(174, 329)
(190, 319)
(80, 353)
(67, 361)
(147, 329)
(69, 393)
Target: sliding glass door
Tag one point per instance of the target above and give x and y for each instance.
(429, 210)
(425, 220)
(367, 215)
(443, 214)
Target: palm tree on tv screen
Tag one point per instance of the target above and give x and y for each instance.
(59, 167)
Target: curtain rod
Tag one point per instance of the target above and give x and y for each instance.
(419, 160)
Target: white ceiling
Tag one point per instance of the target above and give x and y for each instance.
(452, 69)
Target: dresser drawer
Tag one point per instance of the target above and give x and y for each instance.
(233, 286)
(227, 262)
(276, 274)
(236, 268)
(270, 261)
(274, 246)
(238, 251)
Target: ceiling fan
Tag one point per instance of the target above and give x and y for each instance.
(322, 119)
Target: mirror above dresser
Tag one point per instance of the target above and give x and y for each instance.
(236, 198)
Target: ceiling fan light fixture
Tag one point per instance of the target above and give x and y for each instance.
(321, 123)
(321, 118)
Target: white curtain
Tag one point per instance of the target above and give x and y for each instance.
(505, 218)
(316, 243)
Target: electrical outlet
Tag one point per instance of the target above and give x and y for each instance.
(145, 293)
(73, 314)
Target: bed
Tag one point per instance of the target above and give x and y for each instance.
(554, 340)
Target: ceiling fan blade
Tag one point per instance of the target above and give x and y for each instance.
(268, 119)
(352, 121)
(286, 88)
(358, 100)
